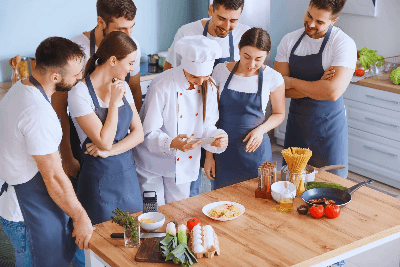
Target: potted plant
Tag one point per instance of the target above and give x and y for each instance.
(130, 225)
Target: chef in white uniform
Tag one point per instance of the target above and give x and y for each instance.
(172, 114)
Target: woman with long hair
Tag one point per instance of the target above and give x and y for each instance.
(245, 88)
(180, 107)
(108, 125)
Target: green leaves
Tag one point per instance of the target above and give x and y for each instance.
(369, 57)
(127, 222)
(395, 76)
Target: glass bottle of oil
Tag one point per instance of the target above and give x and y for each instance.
(287, 200)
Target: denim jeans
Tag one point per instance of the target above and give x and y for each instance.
(16, 231)
(195, 186)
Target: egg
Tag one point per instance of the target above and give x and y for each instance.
(197, 227)
(198, 248)
(196, 231)
(197, 242)
(197, 236)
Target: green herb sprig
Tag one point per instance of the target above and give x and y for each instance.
(127, 222)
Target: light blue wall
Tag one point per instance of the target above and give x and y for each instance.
(25, 23)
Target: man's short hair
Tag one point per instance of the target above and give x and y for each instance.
(228, 4)
(110, 9)
(55, 52)
(334, 6)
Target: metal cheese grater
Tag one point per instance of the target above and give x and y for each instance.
(149, 202)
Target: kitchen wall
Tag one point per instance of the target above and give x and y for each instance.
(24, 24)
(378, 33)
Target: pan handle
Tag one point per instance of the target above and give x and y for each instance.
(352, 189)
(331, 167)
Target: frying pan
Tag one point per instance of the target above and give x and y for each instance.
(311, 171)
(341, 198)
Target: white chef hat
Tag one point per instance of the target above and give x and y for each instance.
(198, 54)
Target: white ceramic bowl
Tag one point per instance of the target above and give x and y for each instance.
(278, 188)
(158, 218)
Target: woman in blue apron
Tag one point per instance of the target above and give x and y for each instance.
(320, 125)
(108, 179)
(247, 85)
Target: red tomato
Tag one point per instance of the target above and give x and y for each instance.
(332, 211)
(192, 223)
(317, 211)
(360, 72)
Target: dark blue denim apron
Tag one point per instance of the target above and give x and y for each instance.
(108, 183)
(49, 229)
(239, 114)
(316, 124)
(231, 58)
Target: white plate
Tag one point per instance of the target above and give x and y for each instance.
(207, 208)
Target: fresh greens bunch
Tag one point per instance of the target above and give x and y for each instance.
(177, 253)
(127, 222)
(395, 76)
(311, 185)
(369, 57)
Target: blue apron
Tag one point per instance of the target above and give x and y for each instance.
(49, 229)
(239, 114)
(231, 58)
(107, 183)
(316, 124)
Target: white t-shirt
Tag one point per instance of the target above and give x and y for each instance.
(340, 50)
(80, 103)
(84, 42)
(271, 80)
(29, 126)
(196, 28)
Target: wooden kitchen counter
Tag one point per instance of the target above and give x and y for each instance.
(381, 82)
(264, 236)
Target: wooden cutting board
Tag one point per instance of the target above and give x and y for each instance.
(149, 250)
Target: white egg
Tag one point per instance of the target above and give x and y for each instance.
(197, 236)
(197, 242)
(196, 231)
(198, 248)
(197, 227)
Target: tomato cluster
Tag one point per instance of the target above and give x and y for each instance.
(332, 211)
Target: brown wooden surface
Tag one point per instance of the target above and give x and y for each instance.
(381, 82)
(264, 236)
(149, 250)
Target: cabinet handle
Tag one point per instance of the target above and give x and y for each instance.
(390, 101)
(386, 153)
(387, 124)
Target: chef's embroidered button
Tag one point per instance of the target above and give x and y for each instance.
(177, 159)
(190, 157)
(197, 114)
(192, 134)
(180, 93)
(198, 91)
(181, 116)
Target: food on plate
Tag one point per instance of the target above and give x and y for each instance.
(311, 185)
(395, 76)
(324, 200)
(192, 223)
(302, 209)
(144, 220)
(224, 211)
(360, 72)
(332, 211)
(317, 211)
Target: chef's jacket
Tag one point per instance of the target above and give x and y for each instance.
(169, 110)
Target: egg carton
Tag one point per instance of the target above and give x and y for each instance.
(212, 249)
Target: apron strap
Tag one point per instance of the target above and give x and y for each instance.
(231, 46)
(92, 43)
(231, 75)
(4, 188)
(297, 44)
(260, 80)
(128, 76)
(326, 38)
(92, 92)
(125, 101)
(38, 86)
